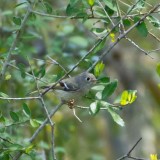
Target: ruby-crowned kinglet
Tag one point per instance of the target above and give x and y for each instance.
(73, 88)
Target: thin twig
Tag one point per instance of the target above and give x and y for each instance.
(57, 63)
(133, 43)
(106, 13)
(39, 79)
(74, 112)
(19, 98)
(122, 28)
(6, 140)
(89, 17)
(122, 36)
(128, 155)
(44, 123)
(47, 113)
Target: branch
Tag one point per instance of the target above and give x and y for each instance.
(39, 129)
(145, 52)
(128, 155)
(89, 17)
(45, 109)
(122, 36)
(39, 79)
(15, 41)
(19, 98)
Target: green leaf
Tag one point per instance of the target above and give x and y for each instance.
(154, 21)
(79, 41)
(109, 10)
(60, 150)
(126, 22)
(7, 77)
(128, 97)
(71, 10)
(94, 107)
(90, 2)
(17, 20)
(4, 95)
(32, 17)
(116, 117)
(21, 67)
(158, 69)
(111, 4)
(26, 110)
(29, 149)
(100, 46)
(104, 79)
(41, 73)
(14, 116)
(109, 89)
(34, 123)
(98, 69)
(2, 119)
(141, 27)
(48, 7)
(19, 4)
(140, 4)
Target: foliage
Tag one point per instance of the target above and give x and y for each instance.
(40, 43)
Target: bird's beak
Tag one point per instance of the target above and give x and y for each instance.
(94, 80)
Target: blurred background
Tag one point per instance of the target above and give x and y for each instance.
(66, 41)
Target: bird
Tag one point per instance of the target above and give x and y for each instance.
(72, 89)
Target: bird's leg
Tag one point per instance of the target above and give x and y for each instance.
(71, 103)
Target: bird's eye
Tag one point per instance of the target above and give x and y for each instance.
(88, 78)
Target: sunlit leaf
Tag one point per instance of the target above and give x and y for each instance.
(153, 157)
(8, 76)
(29, 149)
(109, 89)
(94, 107)
(112, 35)
(14, 116)
(34, 123)
(116, 117)
(90, 2)
(98, 69)
(128, 97)
(4, 95)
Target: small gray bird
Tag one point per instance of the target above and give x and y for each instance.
(71, 90)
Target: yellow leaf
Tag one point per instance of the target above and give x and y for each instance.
(91, 2)
(7, 77)
(153, 157)
(112, 35)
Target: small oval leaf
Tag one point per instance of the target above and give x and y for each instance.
(26, 110)
(17, 20)
(109, 89)
(34, 123)
(14, 116)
